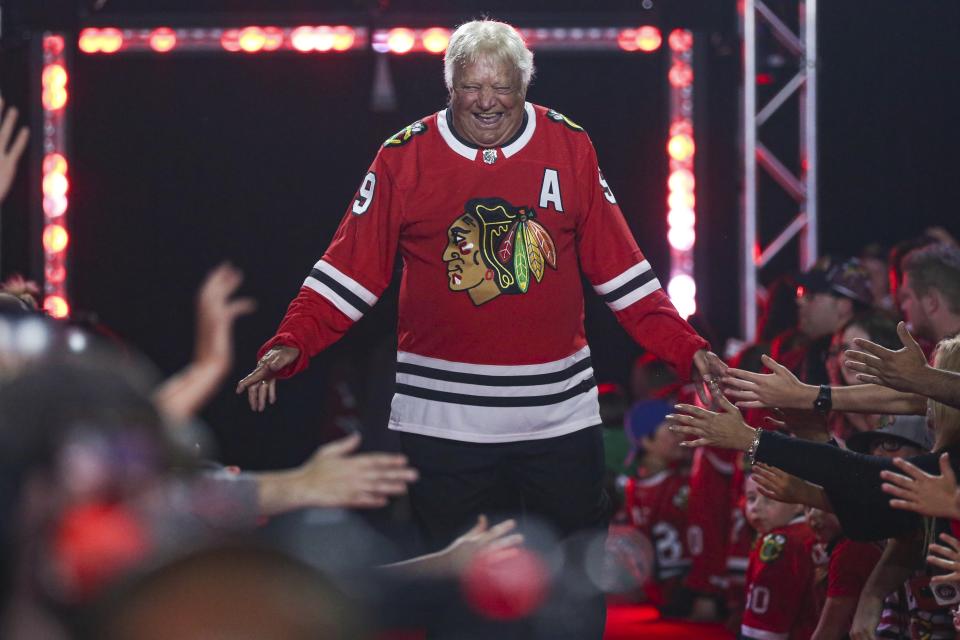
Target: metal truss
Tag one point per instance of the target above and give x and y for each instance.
(756, 17)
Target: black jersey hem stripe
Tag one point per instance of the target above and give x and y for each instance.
(497, 401)
(494, 381)
(636, 283)
(352, 299)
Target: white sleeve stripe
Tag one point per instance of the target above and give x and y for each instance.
(623, 278)
(352, 285)
(635, 295)
(345, 307)
(761, 634)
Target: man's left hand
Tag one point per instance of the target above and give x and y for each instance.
(901, 370)
(707, 370)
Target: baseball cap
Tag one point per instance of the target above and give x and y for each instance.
(645, 416)
(911, 429)
(847, 278)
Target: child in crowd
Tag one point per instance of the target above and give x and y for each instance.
(780, 598)
(656, 497)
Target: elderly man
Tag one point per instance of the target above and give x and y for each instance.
(497, 206)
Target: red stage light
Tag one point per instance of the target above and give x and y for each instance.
(680, 40)
(53, 45)
(680, 147)
(230, 40)
(89, 41)
(681, 238)
(302, 39)
(163, 40)
(54, 76)
(323, 38)
(628, 40)
(436, 39)
(273, 38)
(55, 185)
(680, 180)
(681, 75)
(679, 127)
(681, 218)
(400, 40)
(252, 39)
(56, 306)
(680, 200)
(55, 274)
(55, 238)
(54, 163)
(55, 206)
(343, 38)
(648, 39)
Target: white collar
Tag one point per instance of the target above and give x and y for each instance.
(470, 153)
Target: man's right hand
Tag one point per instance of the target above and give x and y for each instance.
(261, 384)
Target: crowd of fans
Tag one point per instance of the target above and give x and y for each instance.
(845, 525)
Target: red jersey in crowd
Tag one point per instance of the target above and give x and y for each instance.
(657, 506)
(708, 527)
(780, 598)
(494, 243)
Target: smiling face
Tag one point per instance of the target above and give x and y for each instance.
(487, 102)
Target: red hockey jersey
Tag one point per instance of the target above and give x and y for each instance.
(493, 243)
(657, 507)
(780, 594)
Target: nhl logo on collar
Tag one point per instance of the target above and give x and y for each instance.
(489, 156)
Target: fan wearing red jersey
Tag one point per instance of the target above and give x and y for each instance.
(780, 596)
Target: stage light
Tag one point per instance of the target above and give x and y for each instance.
(55, 206)
(681, 200)
(55, 274)
(648, 39)
(163, 40)
(680, 180)
(681, 147)
(53, 45)
(400, 40)
(55, 238)
(681, 127)
(681, 75)
(230, 40)
(273, 38)
(681, 40)
(111, 40)
(54, 163)
(302, 39)
(681, 238)
(56, 306)
(89, 41)
(55, 185)
(627, 40)
(323, 39)
(436, 39)
(54, 99)
(682, 286)
(54, 76)
(681, 218)
(252, 39)
(343, 38)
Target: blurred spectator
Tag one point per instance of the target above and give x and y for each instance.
(652, 377)
(618, 456)
(873, 257)
(10, 153)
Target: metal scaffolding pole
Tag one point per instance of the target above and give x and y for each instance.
(800, 185)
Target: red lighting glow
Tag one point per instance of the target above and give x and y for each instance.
(56, 306)
(163, 40)
(436, 39)
(272, 38)
(680, 180)
(54, 75)
(252, 39)
(55, 238)
(323, 38)
(108, 40)
(302, 39)
(681, 218)
(648, 39)
(54, 99)
(230, 40)
(53, 45)
(55, 274)
(55, 185)
(680, 40)
(627, 40)
(400, 40)
(343, 38)
(680, 147)
(681, 75)
(55, 206)
(681, 200)
(54, 163)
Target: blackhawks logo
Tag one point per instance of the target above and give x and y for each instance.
(494, 248)
(559, 117)
(772, 546)
(405, 135)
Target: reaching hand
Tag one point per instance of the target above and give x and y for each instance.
(945, 557)
(724, 429)
(765, 390)
(261, 383)
(918, 491)
(777, 484)
(10, 156)
(216, 314)
(480, 539)
(901, 370)
(707, 369)
(333, 477)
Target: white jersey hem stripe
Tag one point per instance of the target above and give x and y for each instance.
(488, 438)
(761, 634)
(495, 369)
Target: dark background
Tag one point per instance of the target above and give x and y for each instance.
(180, 162)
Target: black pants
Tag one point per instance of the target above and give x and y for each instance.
(556, 481)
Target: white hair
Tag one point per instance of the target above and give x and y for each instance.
(487, 39)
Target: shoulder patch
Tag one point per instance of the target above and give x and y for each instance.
(405, 135)
(772, 546)
(555, 116)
